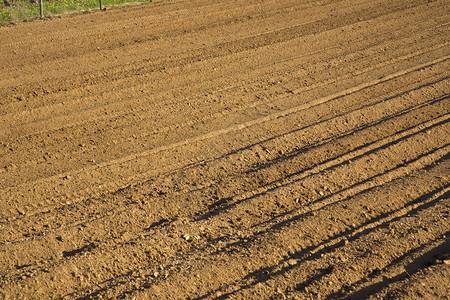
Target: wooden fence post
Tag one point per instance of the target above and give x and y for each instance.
(41, 8)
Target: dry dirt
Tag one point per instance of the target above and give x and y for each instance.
(241, 149)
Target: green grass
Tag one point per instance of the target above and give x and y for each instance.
(24, 10)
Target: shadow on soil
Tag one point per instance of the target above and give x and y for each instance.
(226, 204)
(262, 275)
(424, 261)
(306, 254)
(309, 254)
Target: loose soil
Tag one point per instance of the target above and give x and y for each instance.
(239, 149)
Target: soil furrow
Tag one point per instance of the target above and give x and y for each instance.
(227, 149)
(341, 252)
(85, 150)
(122, 87)
(316, 141)
(245, 44)
(135, 103)
(416, 138)
(215, 13)
(220, 132)
(295, 249)
(260, 30)
(360, 43)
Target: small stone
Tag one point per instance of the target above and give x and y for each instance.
(186, 237)
(10, 167)
(156, 274)
(445, 258)
(292, 262)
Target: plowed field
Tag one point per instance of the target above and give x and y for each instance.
(245, 149)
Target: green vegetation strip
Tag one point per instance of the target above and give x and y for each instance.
(23, 11)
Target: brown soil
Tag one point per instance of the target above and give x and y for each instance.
(238, 149)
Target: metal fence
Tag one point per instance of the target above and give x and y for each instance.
(17, 10)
